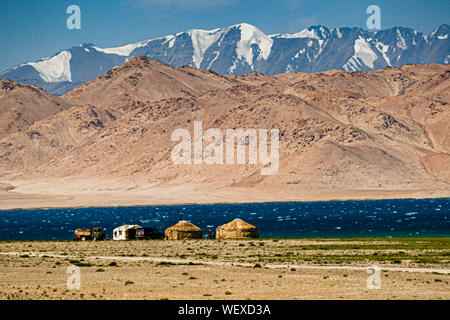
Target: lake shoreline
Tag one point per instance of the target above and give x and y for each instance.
(70, 192)
(174, 204)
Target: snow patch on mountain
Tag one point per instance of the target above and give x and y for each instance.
(54, 69)
(363, 54)
(123, 50)
(401, 41)
(297, 55)
(217, 53)
(383, 48)
(201, 41)
(170, 40)
(305, 33)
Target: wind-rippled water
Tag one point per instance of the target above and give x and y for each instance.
(377, 218)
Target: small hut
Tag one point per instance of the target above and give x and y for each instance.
(183, 230)
(236, 229)
(125, 232)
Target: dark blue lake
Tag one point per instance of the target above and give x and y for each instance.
(378, 218)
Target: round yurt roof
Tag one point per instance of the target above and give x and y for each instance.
(127, 226)
(237, 224)
(184, 226)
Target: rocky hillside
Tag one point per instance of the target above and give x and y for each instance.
(22, 105)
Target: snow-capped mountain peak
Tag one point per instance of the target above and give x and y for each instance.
(251, 36)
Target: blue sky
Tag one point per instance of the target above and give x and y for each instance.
(32, 29)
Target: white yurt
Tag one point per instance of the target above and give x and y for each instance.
(125, 232)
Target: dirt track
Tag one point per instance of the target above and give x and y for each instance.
(240, 264)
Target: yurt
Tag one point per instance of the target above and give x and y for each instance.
(125, 232)
(236, 229)
(183, 230)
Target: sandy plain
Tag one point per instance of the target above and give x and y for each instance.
(231, 269)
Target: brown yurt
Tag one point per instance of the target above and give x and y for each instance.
(236, 229)
(183, 230)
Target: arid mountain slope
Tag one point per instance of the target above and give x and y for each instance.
(21, 105)
(42, 141)
(146, 80)
(342, 135)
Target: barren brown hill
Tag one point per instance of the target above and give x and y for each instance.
(21, 105)
(143, 79)
(343, 135)
(45, 139)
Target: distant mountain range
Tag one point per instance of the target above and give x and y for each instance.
(243, 48)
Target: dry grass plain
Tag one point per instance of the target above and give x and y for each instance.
(231, 269)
